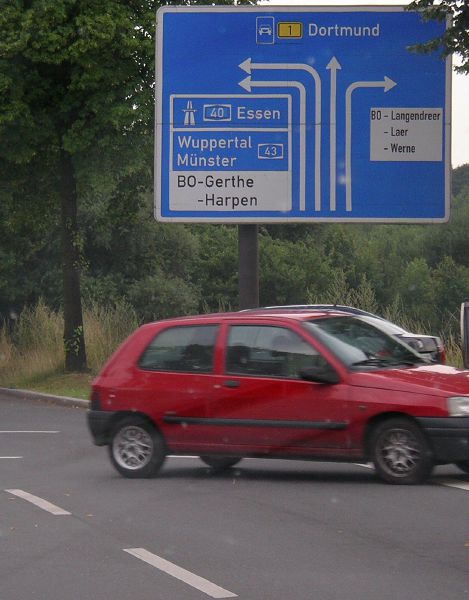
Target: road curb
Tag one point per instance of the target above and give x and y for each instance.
(48, 398)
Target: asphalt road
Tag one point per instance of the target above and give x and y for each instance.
(71, 528)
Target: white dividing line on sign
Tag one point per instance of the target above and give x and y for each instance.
(170, 568)
(40, 502)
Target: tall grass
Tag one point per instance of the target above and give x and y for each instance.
(105, 329)
(452, 344)
(33, 347)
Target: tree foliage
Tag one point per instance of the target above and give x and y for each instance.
(76, 112)
(455, 40)
(76, 81)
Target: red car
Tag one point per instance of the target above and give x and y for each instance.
(282, 384)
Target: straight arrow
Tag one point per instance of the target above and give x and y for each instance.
(333, 66)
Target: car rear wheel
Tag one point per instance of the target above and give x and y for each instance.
(220, 463)
(137, 450)
(463, 465)
(400, 452)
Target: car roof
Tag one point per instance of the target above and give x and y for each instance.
(389, 326)
(297, 314)
(321, 307)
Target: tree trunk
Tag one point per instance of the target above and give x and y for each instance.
(74, 339)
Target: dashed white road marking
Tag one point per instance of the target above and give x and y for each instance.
(10, 457)
(40, 502)
(182, 456)
(26, 431)
(170, 568)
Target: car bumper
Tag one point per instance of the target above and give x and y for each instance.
(100, 425)
(449, 437)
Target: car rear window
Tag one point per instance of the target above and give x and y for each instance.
(182, 349)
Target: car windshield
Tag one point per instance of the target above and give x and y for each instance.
(361, 345)
(383, 324)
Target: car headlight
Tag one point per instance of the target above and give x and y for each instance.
(458, 406)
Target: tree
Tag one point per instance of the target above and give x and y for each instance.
(76, 85)
(74, 77)
(455, 40)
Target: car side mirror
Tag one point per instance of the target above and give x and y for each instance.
(323, 374)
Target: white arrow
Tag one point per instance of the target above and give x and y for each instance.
(248, 66)
(387, 84)
(248, 84)
(333, 66)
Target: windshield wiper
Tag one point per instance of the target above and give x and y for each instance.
(388, 362)
(410, 362)
(371, 361)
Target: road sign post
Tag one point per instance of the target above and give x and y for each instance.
(300, 114)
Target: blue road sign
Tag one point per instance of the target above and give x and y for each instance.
(300, 114)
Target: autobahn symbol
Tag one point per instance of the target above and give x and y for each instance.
(333, 120)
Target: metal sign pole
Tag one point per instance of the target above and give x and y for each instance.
(248, 266)
(465, 332)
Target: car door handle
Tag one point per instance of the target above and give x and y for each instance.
(231, 383)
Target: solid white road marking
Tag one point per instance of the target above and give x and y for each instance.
(455, 483)
(170, 568)
(40, 502)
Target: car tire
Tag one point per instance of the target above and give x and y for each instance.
(463, 465)
(400, 452)
(137, 450)
(220, 463)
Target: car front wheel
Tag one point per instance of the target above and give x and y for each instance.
(137, 450)
(400, 452)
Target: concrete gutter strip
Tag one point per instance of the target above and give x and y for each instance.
(50, 398)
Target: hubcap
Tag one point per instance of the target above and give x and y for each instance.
(399, 452)
(132, 447)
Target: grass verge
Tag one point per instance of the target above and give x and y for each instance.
(72, 385)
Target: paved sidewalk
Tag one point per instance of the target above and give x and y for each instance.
(49, 398)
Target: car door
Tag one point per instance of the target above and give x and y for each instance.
(176, 379)
(263, 405)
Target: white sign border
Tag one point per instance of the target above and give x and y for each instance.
(238, 219)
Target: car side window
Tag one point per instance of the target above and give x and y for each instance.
(183, 349)
(264, 350)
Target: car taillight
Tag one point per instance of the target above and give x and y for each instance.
(441, 352)
(95, 400)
